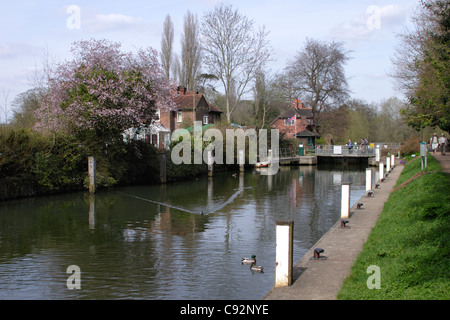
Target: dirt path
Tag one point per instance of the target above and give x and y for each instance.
(444, 161)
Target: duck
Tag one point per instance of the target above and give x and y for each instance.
(234, 175)
(254, 267)
(249, 260)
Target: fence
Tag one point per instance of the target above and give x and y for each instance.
(287, 152)
(344, 150)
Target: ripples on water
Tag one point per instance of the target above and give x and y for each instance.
(151, 242)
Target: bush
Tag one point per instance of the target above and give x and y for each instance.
(412, 145)
(33, 164)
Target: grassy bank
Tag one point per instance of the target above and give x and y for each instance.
(410, 242)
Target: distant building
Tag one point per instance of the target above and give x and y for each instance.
(189, 103)
(156, 134)
(297, 123)
(165, 122)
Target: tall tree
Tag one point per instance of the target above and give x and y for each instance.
(317, 73)
(190, 51)
(422, 66)
(5, 105)
(166, 53)
(103, 90)
(233, 51)
(25, 104)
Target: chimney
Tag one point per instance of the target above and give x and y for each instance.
(297, 104)
(181, 89)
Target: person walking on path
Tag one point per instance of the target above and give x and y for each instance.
(434, 142)
(443, 144)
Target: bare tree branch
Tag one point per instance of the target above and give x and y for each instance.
(190, 51)
(167, 46)
(233, 51)
(317, 74)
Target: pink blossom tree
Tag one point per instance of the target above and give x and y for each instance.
(104, 90)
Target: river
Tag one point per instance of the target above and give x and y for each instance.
(153, 242)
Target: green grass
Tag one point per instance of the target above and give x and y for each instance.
(410, 242)
(414, 167)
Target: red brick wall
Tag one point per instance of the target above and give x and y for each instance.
(289, 131)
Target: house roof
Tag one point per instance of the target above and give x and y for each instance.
(185, 100)
(306, 112)
(306, 133)
(298, 112)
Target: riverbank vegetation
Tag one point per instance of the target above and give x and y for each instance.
(33, 164)
(410, 242)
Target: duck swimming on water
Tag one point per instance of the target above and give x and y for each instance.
(254, 267)
(249, 260)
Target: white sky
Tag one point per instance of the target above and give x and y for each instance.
(367, 27)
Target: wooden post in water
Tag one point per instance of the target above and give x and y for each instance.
(284, 253)
(92, 211)
(210, 164)
(92, 170)
(368, 179)
(241, 160)
(345, 201)
(163, 167)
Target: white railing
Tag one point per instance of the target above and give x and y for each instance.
(329, 150)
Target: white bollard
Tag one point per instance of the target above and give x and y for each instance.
(368, 179)
(377, 154)
(345, 201)
(388, 164)
(381, 170)
(392, 160)
(284, 253)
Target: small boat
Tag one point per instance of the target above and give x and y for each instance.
(262, 164)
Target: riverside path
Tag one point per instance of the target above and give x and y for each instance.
(322, 279)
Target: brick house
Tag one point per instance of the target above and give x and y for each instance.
(297, 123)
(159, 132)
(184, 112)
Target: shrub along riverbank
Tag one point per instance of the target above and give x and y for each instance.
(32, 164)
(410, 242)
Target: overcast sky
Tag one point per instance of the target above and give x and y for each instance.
(367, 27)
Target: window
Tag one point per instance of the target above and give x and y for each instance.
(205, 119)
(288, 122)
(158, 115)
(179, 116)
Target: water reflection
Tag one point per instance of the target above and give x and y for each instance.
(152, 242)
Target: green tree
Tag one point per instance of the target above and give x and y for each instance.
(422, 66)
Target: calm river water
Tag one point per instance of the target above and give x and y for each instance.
(151, 242)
